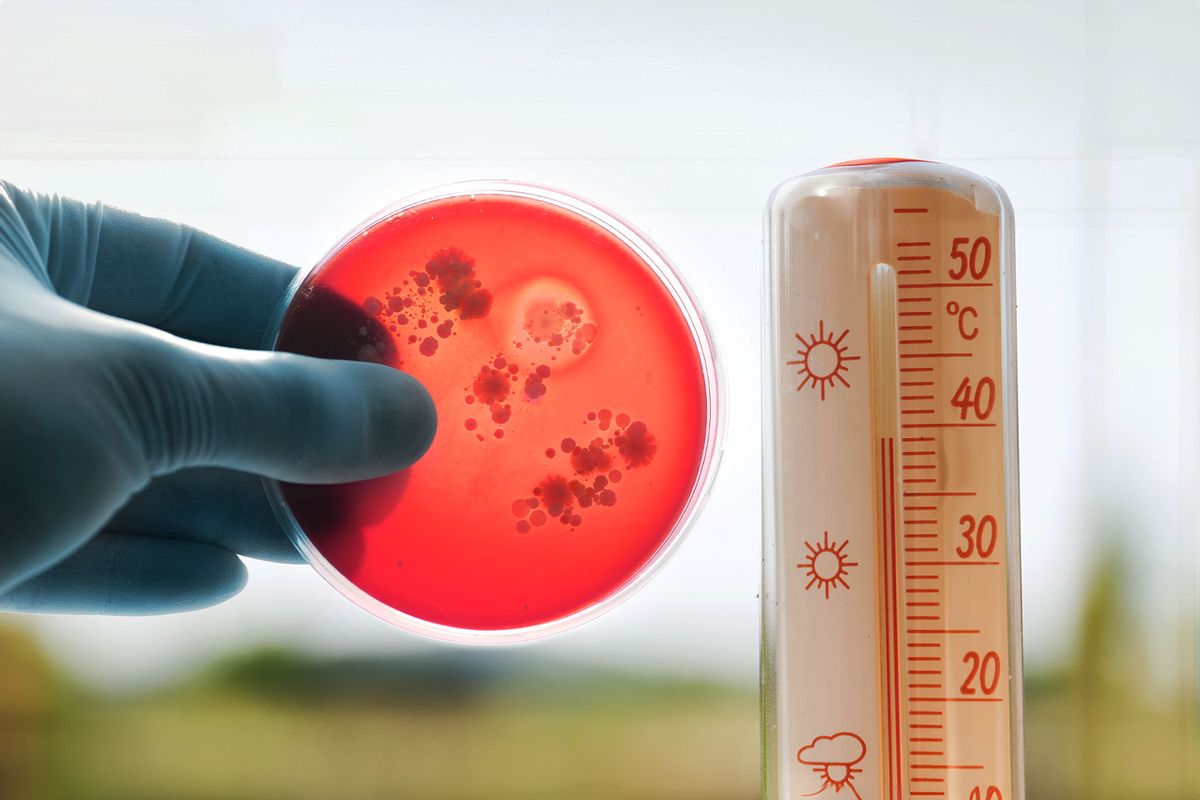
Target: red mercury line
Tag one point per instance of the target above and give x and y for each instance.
(887, 630)
(895, 612)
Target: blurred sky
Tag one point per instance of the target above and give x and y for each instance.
(281, 125)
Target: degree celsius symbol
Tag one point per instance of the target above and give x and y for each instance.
(967, 328)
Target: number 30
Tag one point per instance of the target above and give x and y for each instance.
(978, 537)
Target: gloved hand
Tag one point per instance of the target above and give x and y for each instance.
(119, 367)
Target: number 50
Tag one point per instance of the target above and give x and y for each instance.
(975, 263)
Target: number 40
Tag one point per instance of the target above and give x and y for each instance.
(980, 399)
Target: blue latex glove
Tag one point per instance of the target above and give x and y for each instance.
(118, 369)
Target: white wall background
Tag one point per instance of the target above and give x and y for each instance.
(279, 125)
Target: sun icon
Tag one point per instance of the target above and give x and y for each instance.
(822, 360)
(827, 565)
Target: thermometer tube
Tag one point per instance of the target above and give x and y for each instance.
(891, 617)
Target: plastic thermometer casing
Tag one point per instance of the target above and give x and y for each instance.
(891, 644)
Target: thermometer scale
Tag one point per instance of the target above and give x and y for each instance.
(891, 640)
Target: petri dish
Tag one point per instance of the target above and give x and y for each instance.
(579, 419)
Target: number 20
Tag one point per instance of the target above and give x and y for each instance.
(993, 793)
(984, 672)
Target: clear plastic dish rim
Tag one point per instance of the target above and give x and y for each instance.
(706, 350)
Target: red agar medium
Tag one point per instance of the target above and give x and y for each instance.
(574, 397)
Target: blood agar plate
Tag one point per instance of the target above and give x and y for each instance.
(578, 422)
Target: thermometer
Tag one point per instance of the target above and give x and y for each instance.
(891, 625)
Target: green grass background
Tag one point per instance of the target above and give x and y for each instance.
(494, 725)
